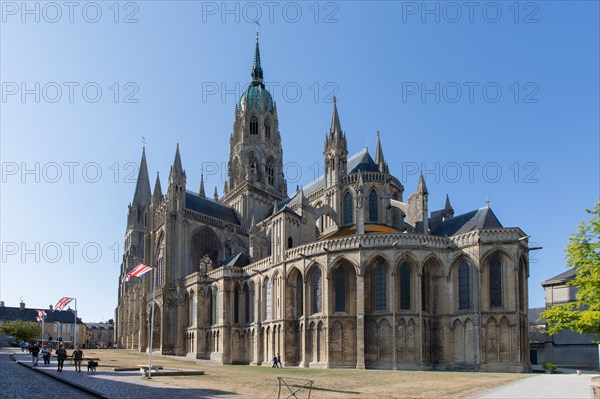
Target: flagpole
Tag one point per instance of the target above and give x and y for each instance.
(43, 319)
(152, 326)
(75, 335)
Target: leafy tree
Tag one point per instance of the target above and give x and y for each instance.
(21, 330)
(583, 253)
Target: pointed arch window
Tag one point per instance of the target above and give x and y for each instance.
(247, 304)
(425, 290)
(463, 286)
(340, 289)
(253, 126)
(348, 208)
(405, 286)
(217, 306)
(395, 212)
(267, 129)
(270, 171)
(380, 287)
(268, 299)
(236, 305)
(317, 291)
(495, 281)
(373, 208)
(211, 319)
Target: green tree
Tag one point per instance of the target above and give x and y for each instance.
(583, 253)
(21, 330)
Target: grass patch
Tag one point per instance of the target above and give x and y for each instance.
(261, 382)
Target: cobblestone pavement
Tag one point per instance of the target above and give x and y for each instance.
(120, 385)
(547, 386)
(17, 382)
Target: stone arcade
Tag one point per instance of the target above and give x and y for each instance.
(343, 273)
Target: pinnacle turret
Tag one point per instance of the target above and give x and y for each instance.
(201, 192)
(422, 187)
(157, 195)
(177, 171)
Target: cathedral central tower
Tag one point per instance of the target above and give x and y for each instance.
(255, 177)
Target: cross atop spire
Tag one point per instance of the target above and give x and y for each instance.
(257, 72)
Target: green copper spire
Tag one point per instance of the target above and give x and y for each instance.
(257, 72)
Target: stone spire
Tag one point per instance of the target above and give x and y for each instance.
(157, 195)
(142, 194)
(177, 169)
(216, 194)
(378, 151)
(201, 192)
(257, 71)
(379, 160)
(336, 128)
(335, 153)
(422, 188)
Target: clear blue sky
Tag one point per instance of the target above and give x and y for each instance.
(492, 100)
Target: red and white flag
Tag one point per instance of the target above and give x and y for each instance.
(41, 315)
(39, 318)
(64, 301)
(139, 270)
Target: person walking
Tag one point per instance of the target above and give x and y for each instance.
(35, 351)
(275, 362)
(77, 358)
(279, 360)
(46, 355)
(23, 345)
(61, 355)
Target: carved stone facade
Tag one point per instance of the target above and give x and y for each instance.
(341, 274)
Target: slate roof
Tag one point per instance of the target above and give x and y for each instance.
(361, 160)
(8, 313)
(210, 208)
(534, 315)
(239, 259)
(561, 278)
(482, 218)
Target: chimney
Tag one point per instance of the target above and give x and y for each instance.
(1, 304)
(22, 305)
(50, 308)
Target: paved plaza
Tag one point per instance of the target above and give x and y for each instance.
(103, 384)
(20, 381)
(566, 385)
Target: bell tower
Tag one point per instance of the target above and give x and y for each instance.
(255, 177)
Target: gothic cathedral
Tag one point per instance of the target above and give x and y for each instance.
(344, 272)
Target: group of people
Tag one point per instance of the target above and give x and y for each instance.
(277, 361)
(61, 355)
